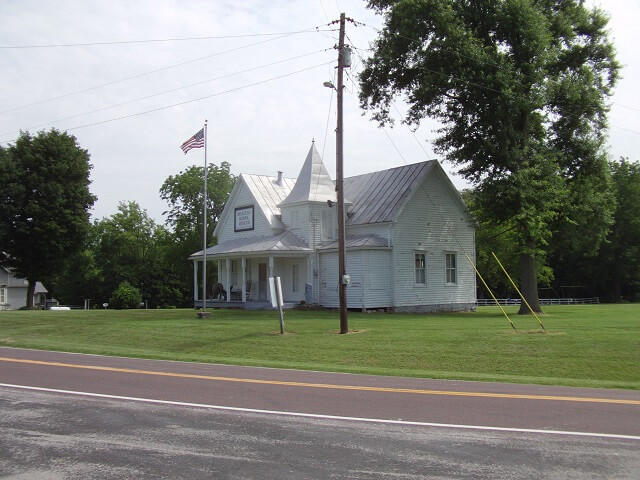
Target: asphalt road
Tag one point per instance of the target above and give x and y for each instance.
(182, 420)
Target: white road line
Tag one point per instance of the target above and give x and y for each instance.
(325, 417)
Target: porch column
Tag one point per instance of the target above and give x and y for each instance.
(271, 274)
(195, 281)
(228, 263)
(244, 279)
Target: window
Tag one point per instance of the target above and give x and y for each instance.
(421, 269)
(295, 278)
(451, 268)
(295, 219)
(327, 225)
(234, 273)
(3, 295)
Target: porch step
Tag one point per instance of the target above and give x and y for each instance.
(250, 305)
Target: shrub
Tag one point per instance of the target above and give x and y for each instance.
(125, 296)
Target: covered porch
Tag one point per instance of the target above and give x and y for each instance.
(244, 267)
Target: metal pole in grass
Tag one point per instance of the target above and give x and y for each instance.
(199, 140)
(490, 291)
(519, 293)
(275, 288)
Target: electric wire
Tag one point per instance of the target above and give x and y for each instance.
(165, 92)
(146, 73)
(159, 40)
(324, 11)
(242, 87)
(326, 132)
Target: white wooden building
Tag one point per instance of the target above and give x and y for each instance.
(408, 236)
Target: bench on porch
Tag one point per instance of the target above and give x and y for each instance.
(236, 292)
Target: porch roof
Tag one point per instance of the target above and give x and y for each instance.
(285, 242)
(357, 241)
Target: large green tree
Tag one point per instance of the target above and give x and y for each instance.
(520, 88)
(44, 204)
(130, 247)
(620, 255)
(613, 271)
(184, 194)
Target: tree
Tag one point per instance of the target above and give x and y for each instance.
(79, 279)
(44, 204)
(130, 247)
(125, 296)
(613, 271)
(520, 87)
(623, 243)
(184, 194)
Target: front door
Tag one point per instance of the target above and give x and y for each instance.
(262, 282)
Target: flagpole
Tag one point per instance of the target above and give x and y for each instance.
(204, 222)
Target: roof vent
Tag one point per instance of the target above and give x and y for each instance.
(279, 181)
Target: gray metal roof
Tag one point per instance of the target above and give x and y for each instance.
(379, 197)
(269, 194)
(285, 242)
(357, 241)
(313, 183)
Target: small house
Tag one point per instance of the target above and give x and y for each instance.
(409, 240)
(13, 291)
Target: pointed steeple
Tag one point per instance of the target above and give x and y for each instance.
(313, 183)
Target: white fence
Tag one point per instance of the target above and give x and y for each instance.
(481, 302)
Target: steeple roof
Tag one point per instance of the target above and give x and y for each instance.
(313, 183)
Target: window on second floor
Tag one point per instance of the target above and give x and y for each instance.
(421, 268)
(295, 278)
(451, 268)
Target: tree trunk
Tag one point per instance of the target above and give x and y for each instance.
(31, 288)
(529, 284)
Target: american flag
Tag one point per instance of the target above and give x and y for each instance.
(197, 141)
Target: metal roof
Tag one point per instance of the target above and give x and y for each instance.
(285, 242)
(379, 197)
(313, 183)
(269, 194)
(357, 241)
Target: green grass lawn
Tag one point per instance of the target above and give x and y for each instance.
(590, 345)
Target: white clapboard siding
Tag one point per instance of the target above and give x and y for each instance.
(378, 279)
(328, 266)
(262, 226)
(370, 279)
(434, 224)
(284, 269)
(329, 279)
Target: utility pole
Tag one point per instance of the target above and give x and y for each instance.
(342, 251)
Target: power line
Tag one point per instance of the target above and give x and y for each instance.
(199, 98)
(164, 92)
(326, 131)
(626, 129)
(144, 74)
(626, 106)
(158, 40)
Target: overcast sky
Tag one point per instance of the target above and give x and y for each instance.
(261, 94)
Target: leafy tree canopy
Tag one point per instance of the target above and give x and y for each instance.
(520, 87)
(130, 247)
(613, 271)
(44, 203)
(184, 194)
